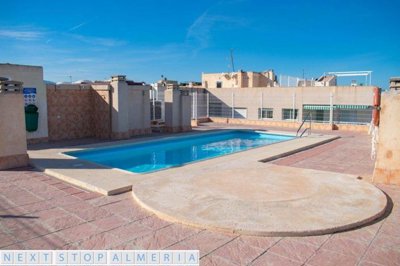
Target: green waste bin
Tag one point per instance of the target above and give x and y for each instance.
(31, 117)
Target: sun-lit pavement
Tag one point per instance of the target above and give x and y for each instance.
(41, 212)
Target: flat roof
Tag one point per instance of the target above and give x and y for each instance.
(9, 64)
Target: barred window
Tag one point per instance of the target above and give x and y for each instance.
(265, 113)
(288, 114)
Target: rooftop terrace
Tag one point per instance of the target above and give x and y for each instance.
(48, 214)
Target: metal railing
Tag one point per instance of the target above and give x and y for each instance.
(275, 107)
(307, 128)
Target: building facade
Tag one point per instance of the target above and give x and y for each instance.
(328, 104)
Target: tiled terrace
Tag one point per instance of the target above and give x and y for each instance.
(41, 212)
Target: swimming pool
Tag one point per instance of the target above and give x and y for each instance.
(165, 153)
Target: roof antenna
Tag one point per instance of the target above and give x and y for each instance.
(233, 66)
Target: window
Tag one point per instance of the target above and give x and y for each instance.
(288, 114)
(219, 84)
(157, 109)
(352, 116)
(318, 115)
(240, 112)
(265, 113)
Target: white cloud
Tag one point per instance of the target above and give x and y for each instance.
(108, 42)
(21, 34)
(78, 60)
(201, 29)
(77, 26)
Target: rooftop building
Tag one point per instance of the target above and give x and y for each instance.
(240, 79)
(394, 83)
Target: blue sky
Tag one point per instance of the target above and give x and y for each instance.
(182, 39)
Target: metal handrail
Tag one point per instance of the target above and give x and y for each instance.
(307, 128)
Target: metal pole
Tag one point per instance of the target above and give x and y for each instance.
(233, 66)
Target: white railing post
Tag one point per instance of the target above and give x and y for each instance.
(233, 105)
(208, 104)
(331, 108)
(262, 105)
(293, 105)
(197, 105)
(370, 79)
(154, 106)
(193, 103)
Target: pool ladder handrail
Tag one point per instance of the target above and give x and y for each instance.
(307, 128)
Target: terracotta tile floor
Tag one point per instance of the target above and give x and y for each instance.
(42, 212)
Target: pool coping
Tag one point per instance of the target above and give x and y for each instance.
(177, 137)
(111, 181)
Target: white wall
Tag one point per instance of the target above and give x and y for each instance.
(139, 107)
(32, 77)
(283, 97)
(12, 124)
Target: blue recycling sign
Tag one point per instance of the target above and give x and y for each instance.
(29, 96)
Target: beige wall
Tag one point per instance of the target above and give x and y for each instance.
(284, 97)
(12, 130)
(78, 111)
(115, 110)
(139, 108)
(32, 77)
(210, 80)
(387, 164)
(238, 79)
(120, 114)
(130, 109)
(178, 105)
(285, 124)
(101, 101)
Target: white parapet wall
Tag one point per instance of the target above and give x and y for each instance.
(32, 78)
(178, 105)
(12, 130)
(130, 108)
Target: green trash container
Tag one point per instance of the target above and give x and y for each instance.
(31, 117)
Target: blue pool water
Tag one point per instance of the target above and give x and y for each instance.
(176, 151)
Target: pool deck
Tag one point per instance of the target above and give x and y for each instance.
(260, 199)
(38, 211)
(110, 181)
